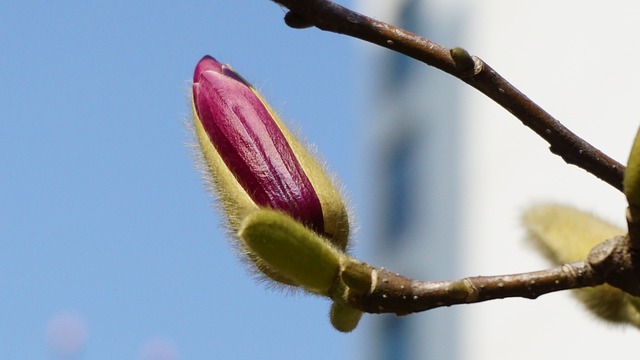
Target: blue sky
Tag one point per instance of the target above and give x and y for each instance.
(102, 214)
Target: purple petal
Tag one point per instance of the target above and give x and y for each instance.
(251, 144)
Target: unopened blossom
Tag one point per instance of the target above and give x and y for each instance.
(254, 162)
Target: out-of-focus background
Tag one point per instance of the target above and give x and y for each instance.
(471, 168)
(110, 247)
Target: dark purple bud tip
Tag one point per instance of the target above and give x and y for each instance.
(251, 144)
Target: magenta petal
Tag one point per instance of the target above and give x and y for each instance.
(207, 63)
(251, 144)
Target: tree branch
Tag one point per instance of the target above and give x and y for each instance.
(332, 17)
(389, 292)
(377, 290)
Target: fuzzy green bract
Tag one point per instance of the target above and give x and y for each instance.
(631, 182)
(563, 235)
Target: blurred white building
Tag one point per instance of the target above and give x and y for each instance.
(453, 171)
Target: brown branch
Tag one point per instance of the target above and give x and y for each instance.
(377, 290)
(332, 17)
(389, 292)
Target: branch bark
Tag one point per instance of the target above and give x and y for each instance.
(389, 292)
(332, 17)
(377, 290)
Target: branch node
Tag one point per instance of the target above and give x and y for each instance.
(618, 263)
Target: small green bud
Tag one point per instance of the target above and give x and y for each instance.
(288, 248)
(631, 181)
(343, 317)
(458, 290)
(464, 62)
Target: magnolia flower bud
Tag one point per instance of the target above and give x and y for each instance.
(254, 162)
(563, 235)
(631, 181)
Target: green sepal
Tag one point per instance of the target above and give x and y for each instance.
(631, 181)
(344, 318)
(286, 247)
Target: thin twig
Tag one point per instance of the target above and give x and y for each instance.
(332, 17)
(393, 293)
